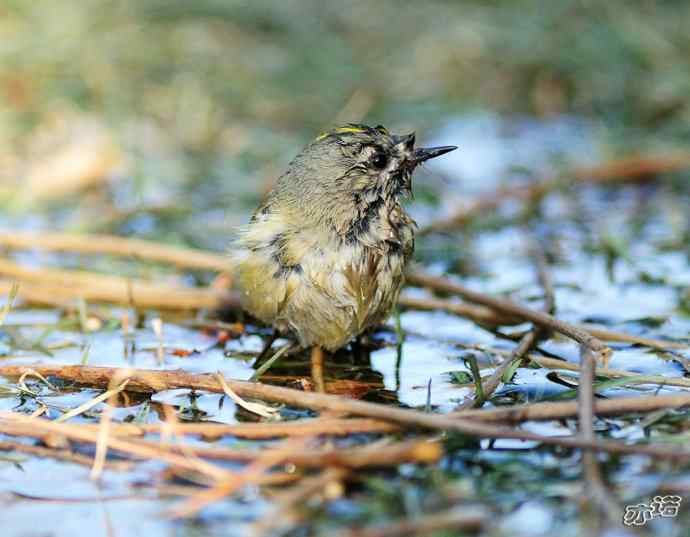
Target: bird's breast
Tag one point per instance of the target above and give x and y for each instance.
(327, 287)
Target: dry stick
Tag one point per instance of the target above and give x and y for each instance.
(541, 411)
(274, 479)
(611, 335)
(83, 499)
(261, 430)
(422, 279)
(42, 295)
(115, 246)
(376, 454)
(478, 314)
(21, 425)
(553, 363)
(493, 382)
(486, 316)
(70, 284)
(594, 483)
(11, 295)
(147, 381)
(91, 403)
(624, 170)
(527, 341)
(585, 395)
(103, 431)
(568, 409)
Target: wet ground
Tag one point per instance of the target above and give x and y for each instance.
(618, 257)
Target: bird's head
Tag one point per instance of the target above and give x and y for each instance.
(351, 167)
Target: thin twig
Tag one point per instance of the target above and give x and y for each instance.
(417, 277)
(553, 363)
(11, 295)
(259, 409)
(594, 483)
(65, 285)
(115, 246)
(494, 381)
(484, 316)
(553, 410)
(92, 403)
(268, 363)
(527, 342)
(381, 453)
(152, 380)
(21, 425)
(261, 430)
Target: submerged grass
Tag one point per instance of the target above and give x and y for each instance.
(11, 296)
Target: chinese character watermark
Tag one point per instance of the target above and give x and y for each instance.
(660, 506)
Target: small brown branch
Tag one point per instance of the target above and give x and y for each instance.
(21, 425)
(527, 342)
(569, 409)
(506, 307)
(594, 482)
(377, 454)
(381, 453)
(479, 314)
(484, 316)
(490, 385)
(621, 337)
(553, 363)
(262, 430)
(115, 246)
(65, 285)
(152, 381)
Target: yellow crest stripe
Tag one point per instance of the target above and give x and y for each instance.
(349, 129)
(339, 130)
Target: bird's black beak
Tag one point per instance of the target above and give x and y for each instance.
(426, 153)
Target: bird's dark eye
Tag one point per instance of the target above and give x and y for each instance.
(379, 160)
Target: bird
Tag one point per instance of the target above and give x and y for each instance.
(323, 257)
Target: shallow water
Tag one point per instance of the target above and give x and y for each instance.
(607, 268)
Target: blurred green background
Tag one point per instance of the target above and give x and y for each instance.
(191, 106)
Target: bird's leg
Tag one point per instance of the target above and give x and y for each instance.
(267, 347)
(360, 351)
(317, 368)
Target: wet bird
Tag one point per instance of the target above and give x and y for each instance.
(324, 256)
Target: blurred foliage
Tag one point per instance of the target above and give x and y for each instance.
(200, 105)
(217, 77)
